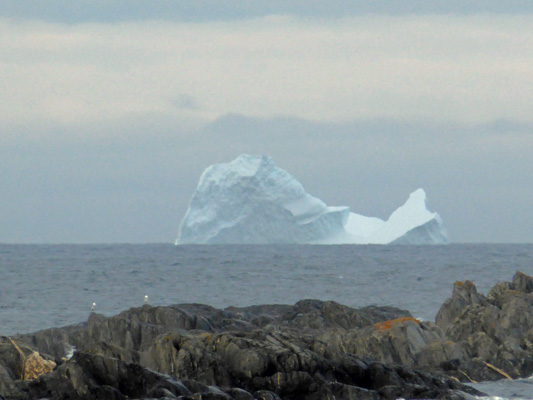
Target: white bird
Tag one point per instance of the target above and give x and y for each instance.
(93, 307)
(145, 299)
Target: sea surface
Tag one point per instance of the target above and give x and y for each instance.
(45, 286)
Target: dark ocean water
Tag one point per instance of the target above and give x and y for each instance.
(53, 285)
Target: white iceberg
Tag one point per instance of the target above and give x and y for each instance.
(250, 200)
(411, 223)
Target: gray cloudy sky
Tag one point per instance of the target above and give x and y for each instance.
(110, 111)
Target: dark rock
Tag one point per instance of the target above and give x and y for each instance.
(464, 295)
(239, 394)
(56, 341)
(316, 314)
(311, 350)
(136, 329)
(266, 395)
(271, 366)
(337, 390)
(18, 363)
(490, 336)
(522, 282)
(398, 341)
(89, 377)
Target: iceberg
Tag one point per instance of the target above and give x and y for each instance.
(251, 201)
(411, 223)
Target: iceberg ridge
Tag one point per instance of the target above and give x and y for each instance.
(251, 201)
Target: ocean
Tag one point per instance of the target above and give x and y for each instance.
(44, 286)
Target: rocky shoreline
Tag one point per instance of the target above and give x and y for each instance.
(310, 350)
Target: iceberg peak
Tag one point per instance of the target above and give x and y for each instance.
(411, 223)
(250, 200)
(243, 166)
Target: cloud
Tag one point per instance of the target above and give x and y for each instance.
(460, 68)
(216, 10)
(105, 128)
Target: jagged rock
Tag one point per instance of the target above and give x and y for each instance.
(310, 350)
(266, 395)
(395, 342)
(8, 385)
(464, 295)
(494, 332)
(337, 390)
(90, 377)
(135, 329)
(281, 363)
(522, 282)
(19, 363)
(56, 341)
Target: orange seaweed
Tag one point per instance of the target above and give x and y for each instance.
(386, 325)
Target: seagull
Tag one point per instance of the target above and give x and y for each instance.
(145, 299)
(93, 307)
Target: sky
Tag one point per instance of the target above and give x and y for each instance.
(110, 111)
